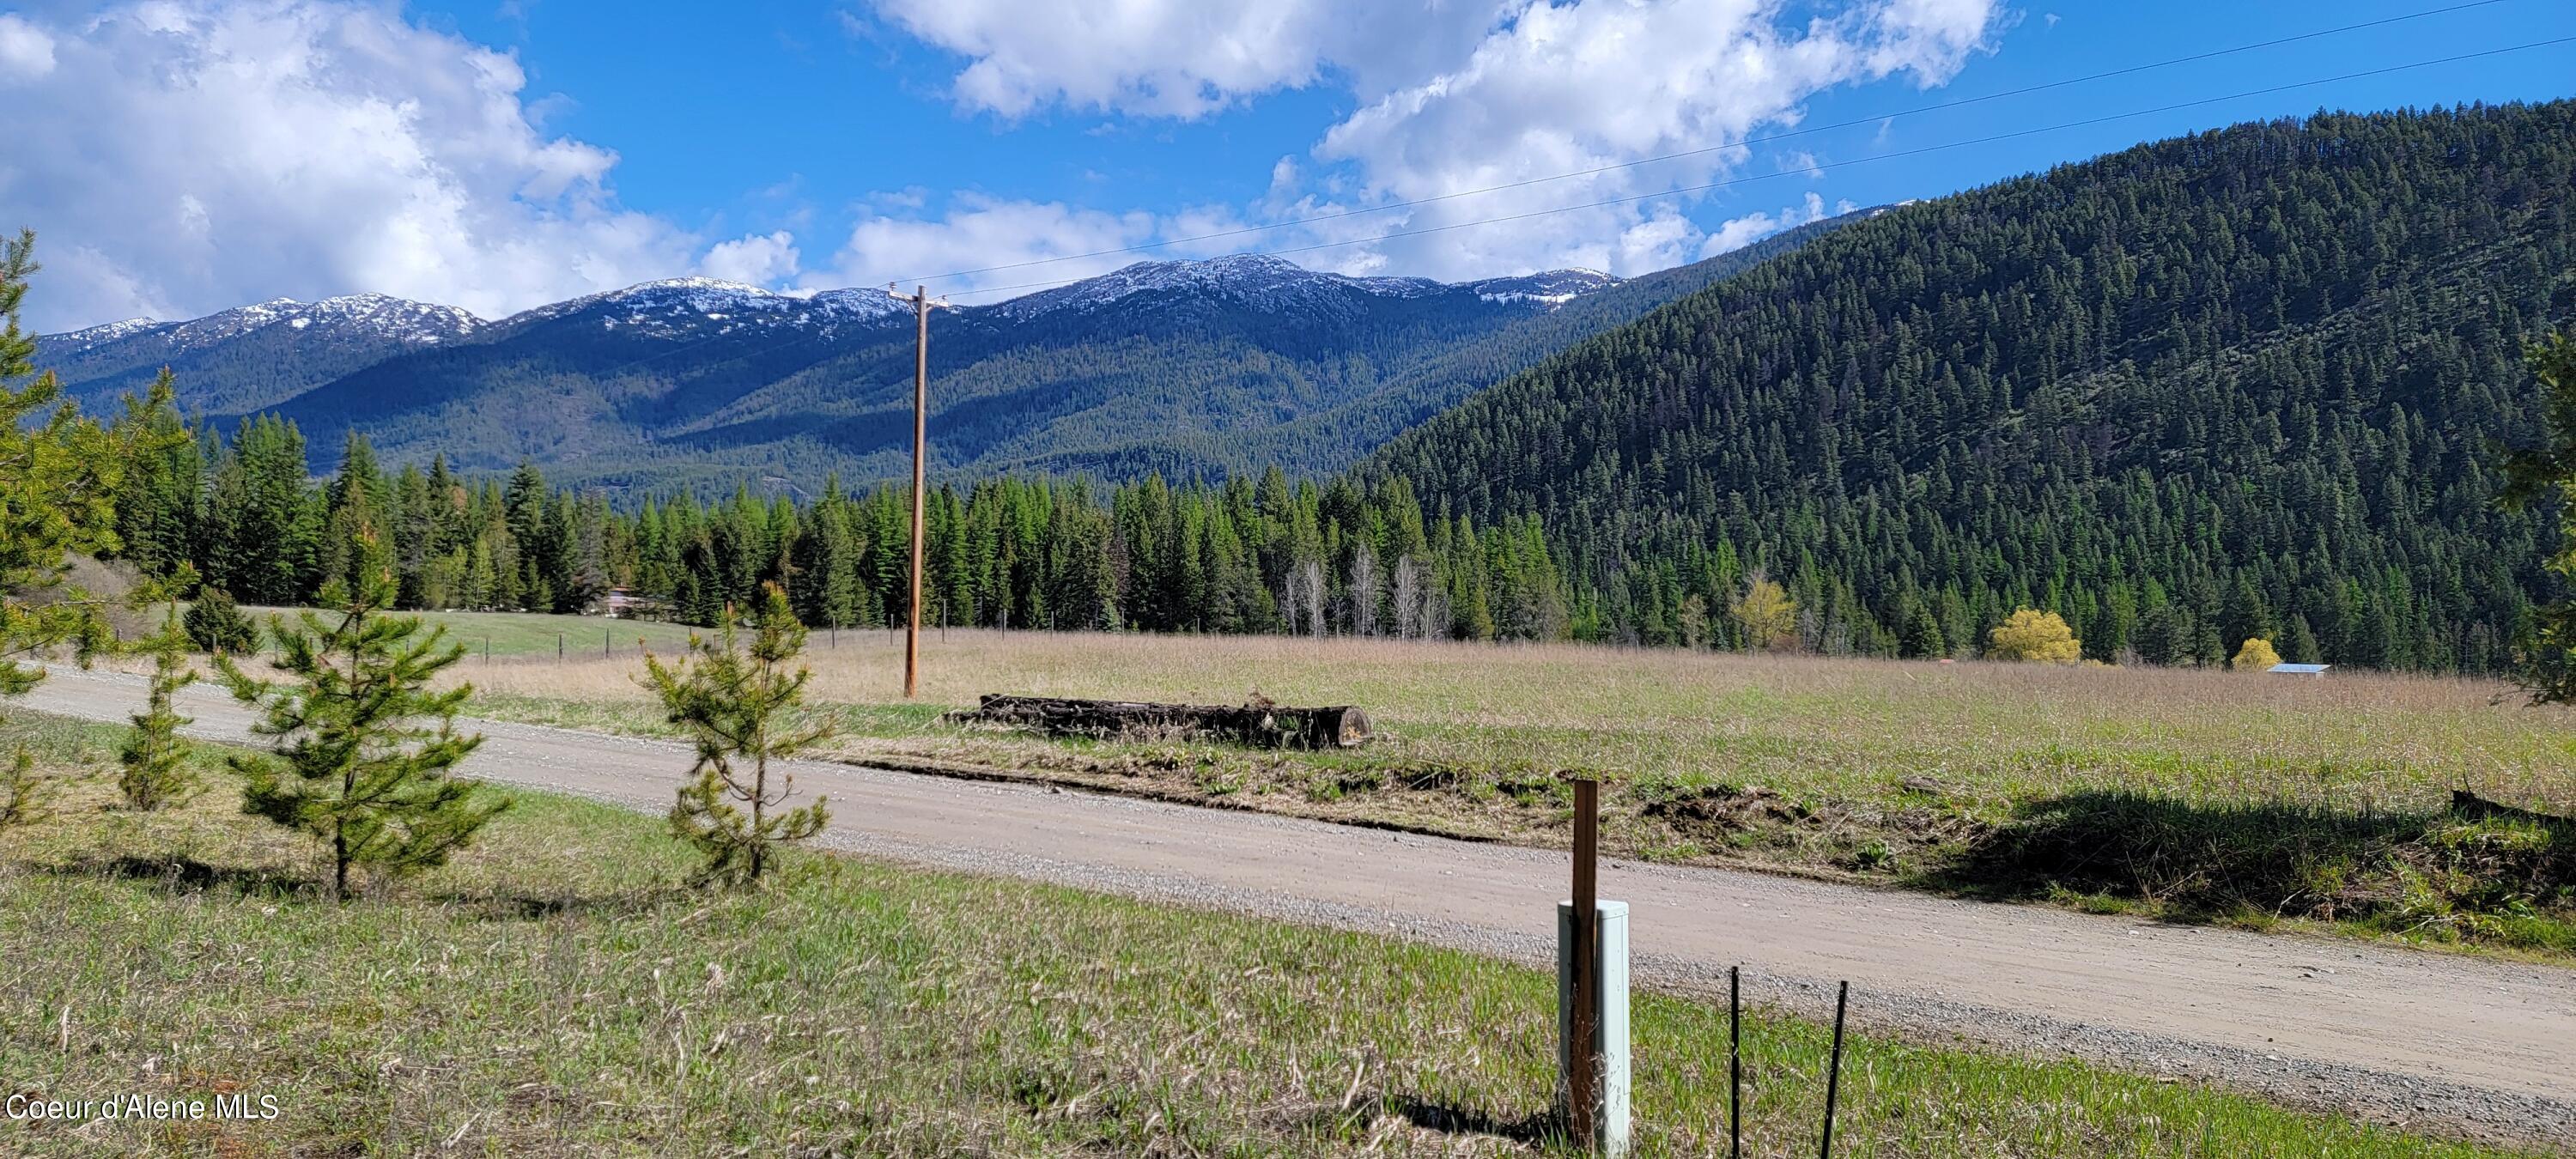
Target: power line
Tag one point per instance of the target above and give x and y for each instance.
(1986, 140)
(1739, 144)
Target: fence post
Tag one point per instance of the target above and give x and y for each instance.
(1735, 1062)
(1834, 1072)
(1592, 994)
(559, 645)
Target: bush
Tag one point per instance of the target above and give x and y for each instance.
(218, 625)
(2255, 656)
(2036, 636)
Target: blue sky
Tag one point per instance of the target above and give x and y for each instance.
(500, 155)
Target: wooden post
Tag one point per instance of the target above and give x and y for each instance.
(920, 450)
(920, 472)
(1583, 1061)
(1834, 1072)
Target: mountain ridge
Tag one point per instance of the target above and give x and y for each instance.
(1181, 365)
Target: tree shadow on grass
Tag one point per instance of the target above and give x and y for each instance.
(185, 874)
(2206, 862)
(539, 905)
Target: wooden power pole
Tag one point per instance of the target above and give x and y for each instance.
(921, 304)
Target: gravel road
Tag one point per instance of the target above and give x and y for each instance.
(2388, 1034)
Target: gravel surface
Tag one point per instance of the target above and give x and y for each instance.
(2422, 1039)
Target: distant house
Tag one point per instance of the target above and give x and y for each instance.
(2298, 669)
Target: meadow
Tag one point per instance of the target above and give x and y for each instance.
(2187, 794)
(556, 990)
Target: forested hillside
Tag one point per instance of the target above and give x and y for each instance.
(2240, 383)
(1418, 387)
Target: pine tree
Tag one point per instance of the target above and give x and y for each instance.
(739, 705)
(154, 760)
(362, 751)
(217, 625)
(58, 475)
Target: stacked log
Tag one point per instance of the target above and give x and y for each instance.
(1259, 724)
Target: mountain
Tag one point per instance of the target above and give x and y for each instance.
(701, 383)
(1192, 368)
(253, 356)
(2246, 382)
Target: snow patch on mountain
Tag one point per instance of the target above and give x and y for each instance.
(1548, 287)
(91, 337)
(1279, 285)
(356, 316)
(674, 306)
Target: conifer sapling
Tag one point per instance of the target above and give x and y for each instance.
(737, 705)
(154, 762)
(361, 750)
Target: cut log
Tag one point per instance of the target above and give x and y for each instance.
(1263, 725)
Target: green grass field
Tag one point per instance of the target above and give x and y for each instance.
(2190, 795)
(556, 991)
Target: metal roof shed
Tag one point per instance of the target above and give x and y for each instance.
(2298, 669)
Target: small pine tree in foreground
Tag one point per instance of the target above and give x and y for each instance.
(24, 792)
(154, 762)
(2036, 637)
(736, 703)
(361, 749)
(2255, 655)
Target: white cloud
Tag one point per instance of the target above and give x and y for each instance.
(26, 53)
(1740, 232)
(982, 232)
(759, 259)
(1183, 58)
(302, 148)
(1478, 96)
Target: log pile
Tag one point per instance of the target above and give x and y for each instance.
(1259, 723)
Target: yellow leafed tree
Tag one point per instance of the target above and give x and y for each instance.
(1766, 615)
(2255, 656)
(2035, 636)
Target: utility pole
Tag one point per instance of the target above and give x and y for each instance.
(921, 304)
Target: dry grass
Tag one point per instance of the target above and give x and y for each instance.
(1800, 724)
(2258, 797)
